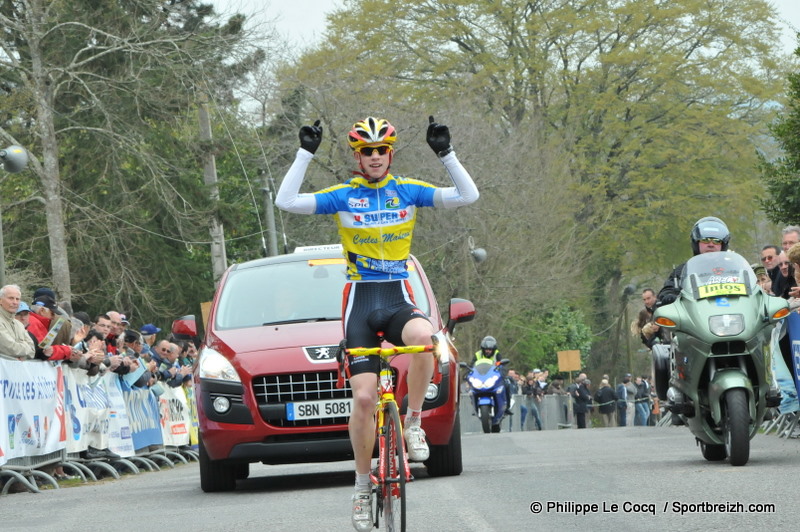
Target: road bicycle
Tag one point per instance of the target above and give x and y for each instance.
(390, 477)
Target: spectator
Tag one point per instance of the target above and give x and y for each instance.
(762, 278)
(630, 395)
(622, 400)
(538, 394)
(581, 397)
(556, 387)
(160, 352)
(115, 333)
(132, 348)
(15, 343)
(23, 314)
(783, 280)
(171, 373)
(43, 310)
(102, 324)
(149, 332)
(606, 399)
(533, 393)
(642, 400)
(769, 254)
(82, 324)
(93, 353)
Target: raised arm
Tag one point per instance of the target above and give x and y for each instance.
(289, 197)
(464, 192)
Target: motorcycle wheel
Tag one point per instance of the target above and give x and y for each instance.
(713, 453)
(661, 370)
(737, 427)
(486, 418)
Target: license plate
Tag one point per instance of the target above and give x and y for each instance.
(319, 409)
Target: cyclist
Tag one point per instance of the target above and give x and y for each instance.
(376, 212)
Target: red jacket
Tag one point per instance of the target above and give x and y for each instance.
(39, 326)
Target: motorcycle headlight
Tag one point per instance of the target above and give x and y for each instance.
(490, 381)
(212, 365)
(726, 324)
(475, 383)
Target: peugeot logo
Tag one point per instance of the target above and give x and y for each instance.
(320, 353)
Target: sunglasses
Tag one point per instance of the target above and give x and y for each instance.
(368, 150)
(710, 240)
(768, 257)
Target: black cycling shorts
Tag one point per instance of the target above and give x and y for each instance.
(376, 306)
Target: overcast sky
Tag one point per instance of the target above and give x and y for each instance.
(302, 21)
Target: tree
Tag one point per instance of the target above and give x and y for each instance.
(103, 95)
(782, 175)
(646, 113)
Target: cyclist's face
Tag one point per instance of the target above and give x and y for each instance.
(373, 165)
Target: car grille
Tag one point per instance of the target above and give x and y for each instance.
(277, 390)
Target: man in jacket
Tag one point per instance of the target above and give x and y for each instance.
(15, 343)
(581, 397)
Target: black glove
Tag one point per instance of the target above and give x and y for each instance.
(310, 137)
(438, 138)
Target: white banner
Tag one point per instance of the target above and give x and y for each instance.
(176, 418)
(119, 429)
(31, 409)
(76, 414)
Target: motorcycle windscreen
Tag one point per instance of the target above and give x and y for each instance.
(716, 274)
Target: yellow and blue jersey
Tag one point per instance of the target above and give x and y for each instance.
(376, 223)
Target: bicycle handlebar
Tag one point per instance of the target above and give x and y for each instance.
(385, 352)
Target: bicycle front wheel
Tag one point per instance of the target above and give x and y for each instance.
(394, 473)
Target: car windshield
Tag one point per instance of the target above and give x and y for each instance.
(721, 273)
(291, 292)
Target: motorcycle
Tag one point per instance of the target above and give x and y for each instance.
(717, 364)
(488, 392)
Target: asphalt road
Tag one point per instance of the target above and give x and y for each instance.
(600, 479)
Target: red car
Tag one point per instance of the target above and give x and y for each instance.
(265, 380)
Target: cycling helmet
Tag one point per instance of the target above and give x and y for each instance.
(710, 227)
(489, 343)
(371, 131)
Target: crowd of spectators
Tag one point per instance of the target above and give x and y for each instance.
(36, 328)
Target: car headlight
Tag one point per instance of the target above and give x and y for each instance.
(212, 365)
(726, 324)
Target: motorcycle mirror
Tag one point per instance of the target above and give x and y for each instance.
(14, 158)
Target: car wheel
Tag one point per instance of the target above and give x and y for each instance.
(215, 475)
(445, 460)
(242, 471)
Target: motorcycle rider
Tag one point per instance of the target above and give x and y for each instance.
(489, 351)
(709, 234)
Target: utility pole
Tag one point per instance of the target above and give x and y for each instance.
(269, 210)
(219, 258)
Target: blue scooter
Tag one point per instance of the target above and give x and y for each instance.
(488, 392)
